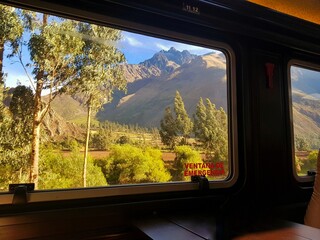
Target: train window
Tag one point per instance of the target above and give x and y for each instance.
(305, 92)
(84, 105)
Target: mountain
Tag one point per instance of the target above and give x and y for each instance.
(168, 61)
(161, 63)
(56, 123)
(147, 97)
(57, 128)
(306, 103)
(68, 107)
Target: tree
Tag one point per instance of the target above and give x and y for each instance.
(99, 141)
(10, 32)
(211, 129)
(21, 108)
(98, 72)
(183, 123)
(168, 131)
(200, 118)
(53, 46)
(15, 137)
(21, 104)
(221, 151)
(301, 143)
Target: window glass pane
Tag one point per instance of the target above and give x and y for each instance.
(305, 85)
(84, 105)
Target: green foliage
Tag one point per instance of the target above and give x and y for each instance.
(301, 144)
(70, 144)
(11, 28)
(98, 71)
(53, 50)
(312, 160)
(13, 166)
(57, 171)
(307, 164)
(123, 140)
(173, 126)
(98, 141)
(184, 154)
(10, 33)
(15, 130)
(21, 107)
(200, 120)
(183, 123)
(128, 164)
(168, 130)
(211, 129)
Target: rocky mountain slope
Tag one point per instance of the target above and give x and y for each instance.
(148, 96)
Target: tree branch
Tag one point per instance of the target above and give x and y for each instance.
(25, 70)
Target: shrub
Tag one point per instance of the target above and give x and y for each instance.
(123, 140)
(129, 164)
(98, 142)
(57, 171)
(312, 160)
(184, 154)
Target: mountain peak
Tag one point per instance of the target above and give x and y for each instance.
(172, 49)
(163, 59)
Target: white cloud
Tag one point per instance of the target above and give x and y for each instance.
(166, 45)
(192, 48)
(132, 41)
(162, 46)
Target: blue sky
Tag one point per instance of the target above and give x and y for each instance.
(136, 48)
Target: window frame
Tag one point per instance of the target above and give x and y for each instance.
(309, 66)
(146, 188)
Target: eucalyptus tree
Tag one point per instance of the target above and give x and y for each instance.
(183, 123)
(98, 72)
(53, 46)
(11, 29)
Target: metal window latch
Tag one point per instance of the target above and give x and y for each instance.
(20, 192)
(203, 182)
(311, 172)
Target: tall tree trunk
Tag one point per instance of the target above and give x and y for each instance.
(86, 148)
(35, 143)
(37, 118)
